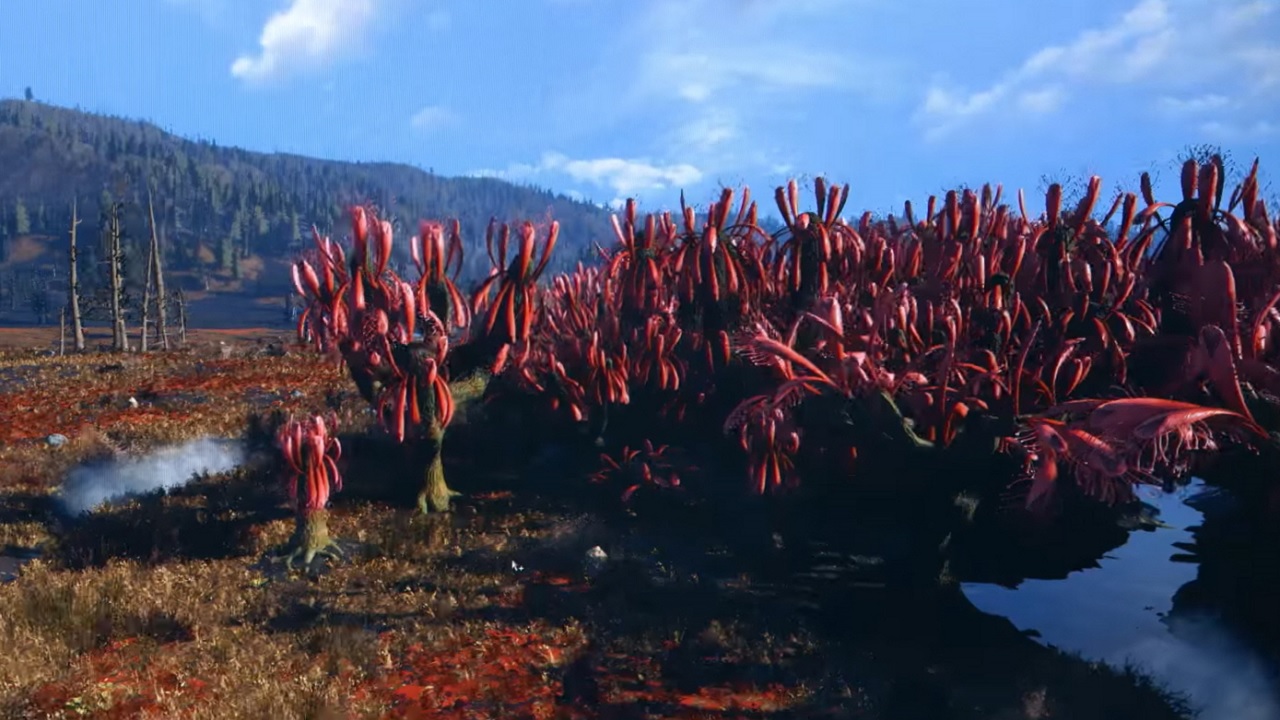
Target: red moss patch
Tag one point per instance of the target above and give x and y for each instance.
(118, 681)
(502, 673)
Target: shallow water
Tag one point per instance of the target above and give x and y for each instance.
(1117, 613)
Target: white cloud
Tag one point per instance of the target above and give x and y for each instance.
(625, 176)
(432, 117)
(717, 81)
(1187, 46)
(753, 47)
(706, 131)
(1194, 105)
(306, 34)
(1042, 101)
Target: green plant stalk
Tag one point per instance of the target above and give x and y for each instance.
(311, 538)
(435, 493)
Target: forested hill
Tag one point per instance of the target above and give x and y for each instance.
(225, 204)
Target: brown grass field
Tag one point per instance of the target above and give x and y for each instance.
(162, 608)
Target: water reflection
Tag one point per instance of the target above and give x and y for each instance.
(1118, 612)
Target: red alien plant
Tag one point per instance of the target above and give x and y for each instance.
(372, 317)
(645, 466)
(394, 336)
(1112, 445)
(310, 452)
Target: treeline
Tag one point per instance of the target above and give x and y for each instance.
(105, 278)
(234, 204)
(107, 249)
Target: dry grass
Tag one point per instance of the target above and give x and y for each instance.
(162, 607)
(219, 638)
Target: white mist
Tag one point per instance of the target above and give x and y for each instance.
(89, 487)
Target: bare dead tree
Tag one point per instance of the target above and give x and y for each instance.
(115, 255)
(62, 331)
(144, 317)
(181, 299)
(155, 277)
(73, 286)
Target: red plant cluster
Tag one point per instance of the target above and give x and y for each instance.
(832, 340)
(311, 452)
(394, 336)
(643, 467)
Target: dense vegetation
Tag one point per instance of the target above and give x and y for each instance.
(228, 204)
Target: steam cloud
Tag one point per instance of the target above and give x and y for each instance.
(1199, 657)
(89, 487)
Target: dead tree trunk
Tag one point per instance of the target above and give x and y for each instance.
(144, 323)
(155, 278)
(115, 253)
(73, 285)
(62, 331)
(182, 317)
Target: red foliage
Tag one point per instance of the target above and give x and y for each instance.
(125, 682)
(908, 328)
(645, 466)
(43, 406)
(311, 451)
(498, 674)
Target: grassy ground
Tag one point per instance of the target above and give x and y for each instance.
(163, 607)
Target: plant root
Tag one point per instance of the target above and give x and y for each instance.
(311, 541)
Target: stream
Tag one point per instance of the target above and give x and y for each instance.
(1119, 612)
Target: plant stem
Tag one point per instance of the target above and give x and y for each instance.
(311, 537)
(435, 494)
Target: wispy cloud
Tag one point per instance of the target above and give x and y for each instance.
(706, 131)
(1154, 50)
(308, 34)
(725, 82)
(624, 176)
(715, 81)
(1180, 107)
(432, 117)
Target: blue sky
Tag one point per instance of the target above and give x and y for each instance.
(608, 98)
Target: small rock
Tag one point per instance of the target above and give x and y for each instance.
(595, 560)
(133, 402)
(56, 440)
(297, 394)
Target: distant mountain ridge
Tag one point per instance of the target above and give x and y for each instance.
(232, 203)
